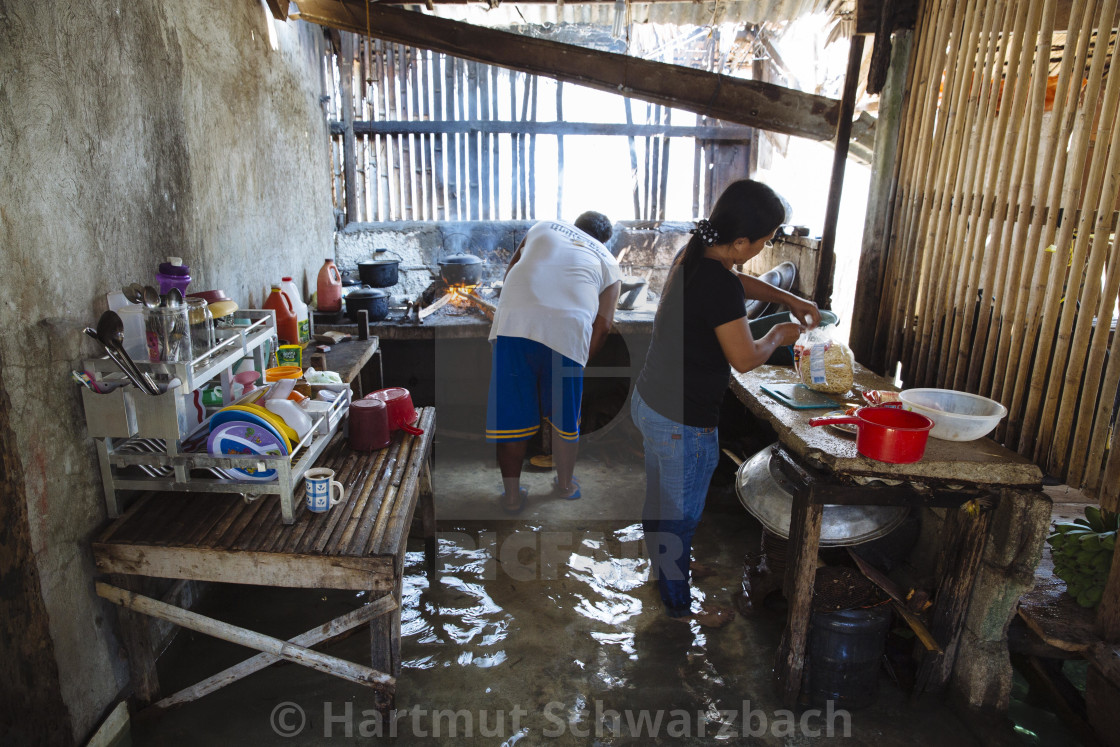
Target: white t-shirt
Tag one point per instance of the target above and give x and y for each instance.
(551, 294)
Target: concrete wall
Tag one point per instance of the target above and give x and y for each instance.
(128, 132)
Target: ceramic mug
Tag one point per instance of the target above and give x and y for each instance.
(318, 484)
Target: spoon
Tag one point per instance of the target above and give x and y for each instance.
(110, 331)
(150, 297)
(174, 298)
(134, 292)
(91, 332)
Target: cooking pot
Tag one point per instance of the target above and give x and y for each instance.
(461, 269)
(887, 434)
(380, 272)
(374, 301)
(767, 494)
(398, 403)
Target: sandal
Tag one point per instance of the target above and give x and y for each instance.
(574, 495)
(523, 494)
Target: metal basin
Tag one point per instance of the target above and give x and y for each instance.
(767, 494)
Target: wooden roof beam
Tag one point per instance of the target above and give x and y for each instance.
(749, 102)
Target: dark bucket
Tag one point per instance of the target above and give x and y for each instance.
(845, 652)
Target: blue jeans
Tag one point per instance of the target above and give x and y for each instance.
(680, 460)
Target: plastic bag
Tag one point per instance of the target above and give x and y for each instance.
(824, 364)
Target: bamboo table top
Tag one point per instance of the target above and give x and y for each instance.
(220, 537)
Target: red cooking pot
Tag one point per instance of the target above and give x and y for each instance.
(886, 433)
(398, 403)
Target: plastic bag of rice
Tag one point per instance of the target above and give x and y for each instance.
(824, 364)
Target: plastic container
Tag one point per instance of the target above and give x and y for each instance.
(202, 325)
(303, 316)
(845, 649)
(293, 415)
(173, 274)
(956, 416)
(287, 325)
(328, 287)
(282, 372)
(369, 425)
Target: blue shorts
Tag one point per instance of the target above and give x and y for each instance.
(530, 382)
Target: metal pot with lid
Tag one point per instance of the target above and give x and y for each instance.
(382, 271)
(767, 494)
(461, 269)
(374, 301)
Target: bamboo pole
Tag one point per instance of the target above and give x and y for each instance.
(1037, 425)
(933, 220)
(362, 675)
(484, 114)
(976, 130)
(451, 65)
(1011, 160)
(922, 115)
(560, 150)
(524, 150)
(496, 169)
(439, 209)
(1067, 94)
(421, 165)
(533, 153)
(1081, 380)
(383, 146)
(346, 104)
(633, 161)
(408, 203)
(664, 169)
(515, 143)
(1035, 141)
(976, 290)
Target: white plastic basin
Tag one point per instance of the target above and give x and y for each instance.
(956, 416)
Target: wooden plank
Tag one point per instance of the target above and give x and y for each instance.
(219, 504)
(344, 469)
(245, 637)
(1052, 614)
(385, 639)
(341, 538)
(126, 517)
(749, 102)
(244, 521)
(374, 505)
(291, 570)
(324, 632)
(394, 539)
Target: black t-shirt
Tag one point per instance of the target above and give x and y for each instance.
(686, 372)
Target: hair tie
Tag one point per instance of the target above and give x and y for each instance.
(708, 234)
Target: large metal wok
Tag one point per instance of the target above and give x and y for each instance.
(767, 494)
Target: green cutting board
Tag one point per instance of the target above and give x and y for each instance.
(799, 396)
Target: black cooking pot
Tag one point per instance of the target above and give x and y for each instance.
(461, 269)
(374, 301)
(380, 272)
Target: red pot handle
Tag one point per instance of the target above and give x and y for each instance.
(835, 420)
(413, 430)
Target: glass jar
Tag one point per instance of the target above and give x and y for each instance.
(202, 326)
(169, 335)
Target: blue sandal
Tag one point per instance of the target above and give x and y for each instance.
(523, 493)
(574, 495)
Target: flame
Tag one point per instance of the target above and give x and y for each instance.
(460, 292)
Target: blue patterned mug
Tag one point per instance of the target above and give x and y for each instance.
(318, 484)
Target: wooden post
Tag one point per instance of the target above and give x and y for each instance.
(385, 638)
(876, 235)
(560, 150)
(823, 292)
(801, 570)
(484, 115)
(633, 162)
(138, 644)
(440, 206)
(349, 153)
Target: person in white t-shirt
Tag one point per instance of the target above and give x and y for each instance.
(555, 311)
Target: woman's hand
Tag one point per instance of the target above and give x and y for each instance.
(787, 333)
(805, 312)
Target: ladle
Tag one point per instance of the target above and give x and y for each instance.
(110, 331)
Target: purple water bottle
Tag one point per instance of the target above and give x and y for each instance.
(173, 274)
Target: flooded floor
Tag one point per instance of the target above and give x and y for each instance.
(542, 629)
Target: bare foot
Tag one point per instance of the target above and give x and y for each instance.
(699, 571)
(710, 616)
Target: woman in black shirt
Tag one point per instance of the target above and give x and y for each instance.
(699, 334)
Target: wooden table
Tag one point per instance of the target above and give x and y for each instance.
(826, 469)
(349, 360)
(359, 544)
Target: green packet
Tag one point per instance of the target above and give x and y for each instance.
(289, 355)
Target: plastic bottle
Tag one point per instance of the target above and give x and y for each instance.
(303, 319)
(328, 287)
(287, 325)
(173, 274)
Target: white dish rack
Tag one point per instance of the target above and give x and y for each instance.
(147, 442)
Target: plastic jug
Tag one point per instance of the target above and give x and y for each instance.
(303, 319)
(287, 326)
(328, 287)
(173, 274)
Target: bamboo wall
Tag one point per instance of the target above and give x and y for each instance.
(464, 145)
(1001, 277)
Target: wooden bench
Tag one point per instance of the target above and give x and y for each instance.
(359, 544)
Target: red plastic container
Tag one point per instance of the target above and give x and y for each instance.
(287, 324)
(402, 414)
(887, 434)
(328, 287)
(369, 425)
